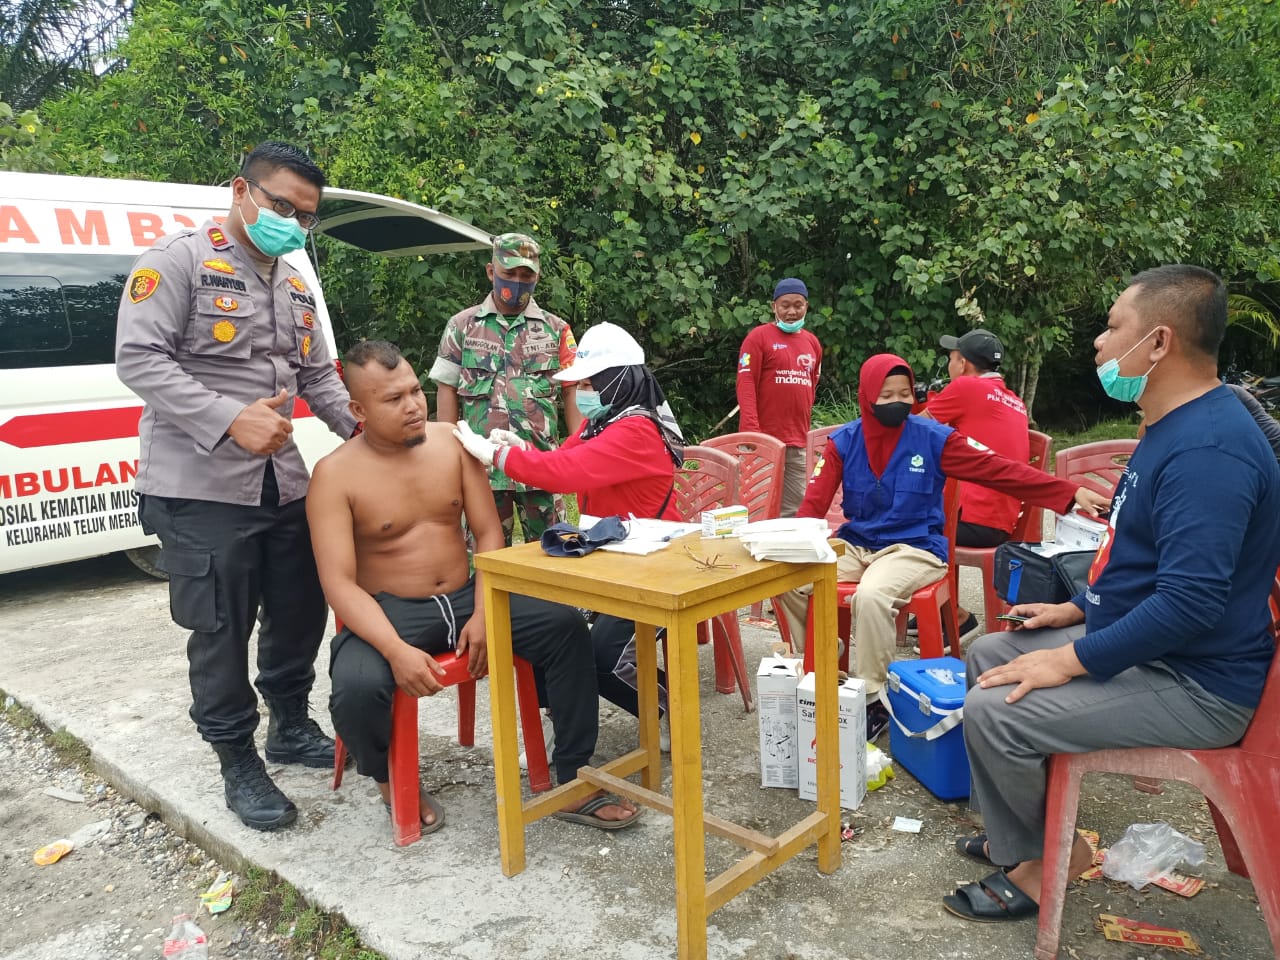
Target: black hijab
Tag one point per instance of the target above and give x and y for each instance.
(633, 391)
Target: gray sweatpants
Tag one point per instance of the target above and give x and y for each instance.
(1009, 743)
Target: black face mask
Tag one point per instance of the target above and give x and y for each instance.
(891, 414)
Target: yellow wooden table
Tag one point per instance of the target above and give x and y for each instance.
(669, 589)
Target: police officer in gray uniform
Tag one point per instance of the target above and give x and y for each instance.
(219, 336)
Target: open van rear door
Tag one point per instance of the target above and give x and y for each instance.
(392, 227)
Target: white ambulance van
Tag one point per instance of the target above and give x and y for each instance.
(68, 427)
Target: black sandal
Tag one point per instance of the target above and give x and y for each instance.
(975, 848)
(993, 900)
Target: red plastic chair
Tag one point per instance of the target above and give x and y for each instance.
(709, 479)
(817, 442)
(1030, 523)
(403, 763)
(1241, 783)
(1097, 465)
(932, 605)
(762, 460)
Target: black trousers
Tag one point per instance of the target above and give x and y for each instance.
(613, 643)
(976, 535)
(552, 637)
(227, 564)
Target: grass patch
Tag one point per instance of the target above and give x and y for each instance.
(67, 746)
(265, 898)
(1122, 428)
(15, 714)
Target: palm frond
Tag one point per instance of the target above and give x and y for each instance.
(1254, 316)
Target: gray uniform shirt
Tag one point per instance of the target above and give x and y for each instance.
(201, 335)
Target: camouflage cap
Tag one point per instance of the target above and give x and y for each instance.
(511, 250)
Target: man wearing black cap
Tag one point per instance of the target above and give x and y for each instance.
(978, 404)
(778, 368)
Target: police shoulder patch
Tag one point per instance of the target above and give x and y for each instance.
(218, 238)
(143, 284)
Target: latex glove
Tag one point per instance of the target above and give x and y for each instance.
(507, 438)
(474, 444)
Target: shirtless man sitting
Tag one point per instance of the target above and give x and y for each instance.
(385, 511)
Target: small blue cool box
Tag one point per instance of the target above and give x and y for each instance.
(926, 736)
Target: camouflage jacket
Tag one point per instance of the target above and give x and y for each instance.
(501, 367)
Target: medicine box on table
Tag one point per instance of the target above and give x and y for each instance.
(926, 734)
(776, 704)
(852, 707)
(723, 521)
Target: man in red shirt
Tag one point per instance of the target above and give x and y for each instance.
(778, 369)
(978, 404)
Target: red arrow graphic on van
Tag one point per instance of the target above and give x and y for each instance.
(85, 426)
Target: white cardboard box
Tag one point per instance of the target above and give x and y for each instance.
(1078, 532)
(723, 521)
(776, 704)
(852, 739)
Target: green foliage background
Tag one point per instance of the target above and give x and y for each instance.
(924, 166)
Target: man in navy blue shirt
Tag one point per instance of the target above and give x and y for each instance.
(1169, 643)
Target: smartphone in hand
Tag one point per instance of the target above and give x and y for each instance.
(1013, 618)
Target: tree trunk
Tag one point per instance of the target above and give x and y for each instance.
(1031, 380)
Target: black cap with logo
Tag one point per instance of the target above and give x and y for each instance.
(980, 347)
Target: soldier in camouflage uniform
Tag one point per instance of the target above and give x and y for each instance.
(494, 370)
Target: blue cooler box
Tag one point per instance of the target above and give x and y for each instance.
(927, 698)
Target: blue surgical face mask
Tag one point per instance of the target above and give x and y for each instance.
(1125, 389)
(790, 326)
(589, 404)
(272, 234)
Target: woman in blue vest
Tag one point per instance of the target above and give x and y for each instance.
(890, 468)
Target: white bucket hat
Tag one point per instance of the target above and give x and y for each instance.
(604, 346)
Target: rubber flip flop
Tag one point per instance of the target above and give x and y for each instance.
(431, 803)
(993, 900)
(585, 814)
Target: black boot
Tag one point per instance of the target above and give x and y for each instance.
(293, 737)
(250, 793)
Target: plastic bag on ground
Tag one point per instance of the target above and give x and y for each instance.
(879, 767)
(1147, 851)
(186, 941)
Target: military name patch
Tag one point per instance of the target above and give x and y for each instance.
(143, 284)
(226, 303)
(224, 331)
(219, 265)
(218, 239)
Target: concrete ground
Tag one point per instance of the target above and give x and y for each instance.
(90, 648)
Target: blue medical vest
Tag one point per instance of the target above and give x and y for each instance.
(903, 506)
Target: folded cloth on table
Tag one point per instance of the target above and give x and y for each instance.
(566, 540)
